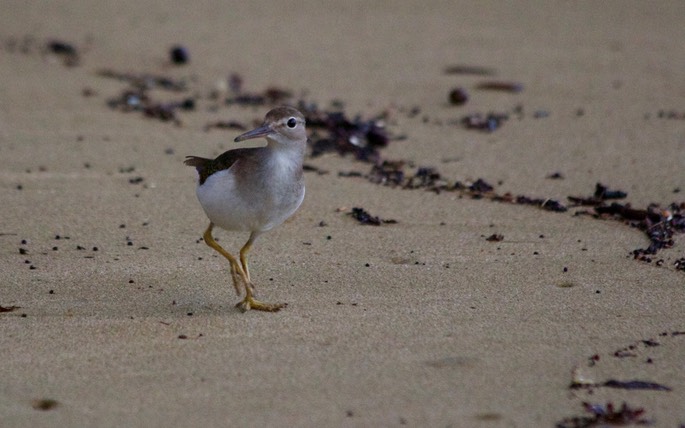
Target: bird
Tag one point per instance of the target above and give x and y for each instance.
(254, 189)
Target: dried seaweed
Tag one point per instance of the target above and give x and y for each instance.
(146, 81)
(502, 86)
(8, 308)
(66, 51)
(335, 132)
(393, 174)
(225, 124)
(269, 97)
(659, 224)
(363, 217)
(671, 114)
(137, 99)
(621, 384)
(469, 69)
(602, 415)
(495, 237)
(44, 404)
(602, 193)
(489, 122)
(636, 384)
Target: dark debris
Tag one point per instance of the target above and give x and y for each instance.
(8, 308)
(179, 55)
(602, 415)
(269, 97)
(636, 384)
(545, 204)
(146, 81)
(480, 187)
(660, 224)
(44, 404)
(502, 86)
(363, 217)
(489, 122)
(393, 174)
(226, 124)
(495, 237)
(61, 50)
(66, 51)
(640, 385)
(469, 69)
(602, 193)
(458, 96)
(388, 173)
(671, 114)
(138, 100)
(333, 131)
(137, 97)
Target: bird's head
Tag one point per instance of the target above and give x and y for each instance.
(282, 125)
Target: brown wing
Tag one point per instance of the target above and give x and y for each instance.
(206, 167)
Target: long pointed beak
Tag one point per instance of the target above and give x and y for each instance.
(262, 131)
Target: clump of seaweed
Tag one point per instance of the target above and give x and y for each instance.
(603, 415)
(660, 224)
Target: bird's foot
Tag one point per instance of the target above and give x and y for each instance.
(250, 302)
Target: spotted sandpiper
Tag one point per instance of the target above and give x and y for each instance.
(254, 189)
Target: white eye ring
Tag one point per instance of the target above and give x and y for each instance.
(292, 122)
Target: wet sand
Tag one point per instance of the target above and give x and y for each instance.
(126, 318)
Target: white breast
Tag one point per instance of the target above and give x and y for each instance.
(264, 196)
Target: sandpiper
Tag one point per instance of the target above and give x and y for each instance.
(254, 189)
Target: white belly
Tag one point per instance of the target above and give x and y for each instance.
(250, 206)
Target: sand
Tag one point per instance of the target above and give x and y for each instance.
(419, 323)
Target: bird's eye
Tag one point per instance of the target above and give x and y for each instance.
(292, 123)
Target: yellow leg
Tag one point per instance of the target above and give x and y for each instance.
(249, 302)
(244, 251)
(240, 274)
(237, 272)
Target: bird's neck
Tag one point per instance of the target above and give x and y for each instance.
(284, 160)
(291, 153)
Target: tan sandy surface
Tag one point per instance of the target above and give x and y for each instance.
(422, 323)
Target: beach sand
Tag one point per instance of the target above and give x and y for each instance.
(126, 318)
